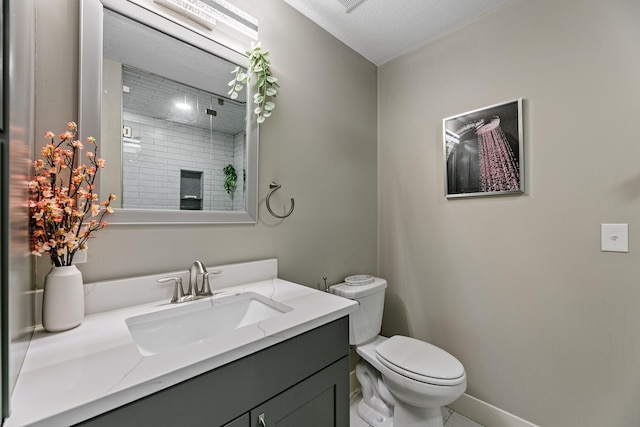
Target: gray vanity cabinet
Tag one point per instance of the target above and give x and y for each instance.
(303, 381)
(243, 421)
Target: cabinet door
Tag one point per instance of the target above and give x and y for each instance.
(319, 401)
(242, 421)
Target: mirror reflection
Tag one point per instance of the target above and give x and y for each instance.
(121, 42)
(182, 142)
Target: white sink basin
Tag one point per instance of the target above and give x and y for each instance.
(156, 332)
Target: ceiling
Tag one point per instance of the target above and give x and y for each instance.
(381, 30)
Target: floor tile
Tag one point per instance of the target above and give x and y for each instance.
(355, 420)
(451, 418)
(457, 420)
(446, 413)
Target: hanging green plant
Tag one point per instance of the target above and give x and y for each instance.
(266, 83)
(230, 180)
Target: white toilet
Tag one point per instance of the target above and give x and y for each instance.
(405, 381)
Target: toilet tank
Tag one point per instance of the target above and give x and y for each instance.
(366, 322)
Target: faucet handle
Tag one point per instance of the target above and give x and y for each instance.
(206, 286)
(178, 291)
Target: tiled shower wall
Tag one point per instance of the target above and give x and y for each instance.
(152, 164)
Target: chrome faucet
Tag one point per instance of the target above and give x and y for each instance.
(194, 291)
(196, 269)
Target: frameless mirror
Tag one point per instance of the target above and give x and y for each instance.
(153, 93)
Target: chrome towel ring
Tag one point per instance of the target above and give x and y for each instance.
(273, 187)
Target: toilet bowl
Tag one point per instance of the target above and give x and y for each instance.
(405, 381)
(442, 380)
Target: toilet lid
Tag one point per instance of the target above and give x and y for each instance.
(354, 292)
(359, 280)
(420, 361)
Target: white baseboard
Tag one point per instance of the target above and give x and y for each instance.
(487, 414)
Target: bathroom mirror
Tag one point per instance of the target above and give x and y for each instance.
(153, 93)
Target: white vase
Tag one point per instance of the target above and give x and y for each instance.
(63, 299)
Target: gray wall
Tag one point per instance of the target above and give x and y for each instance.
(320, 144)
(546, 325)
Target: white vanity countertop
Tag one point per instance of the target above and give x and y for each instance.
(75, 375)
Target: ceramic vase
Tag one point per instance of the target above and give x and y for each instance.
(63, 299)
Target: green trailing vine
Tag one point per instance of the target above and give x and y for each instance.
(266, 83)
(230, 181)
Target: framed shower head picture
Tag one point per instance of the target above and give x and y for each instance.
(483, 151)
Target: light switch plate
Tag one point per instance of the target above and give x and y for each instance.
(614, 237)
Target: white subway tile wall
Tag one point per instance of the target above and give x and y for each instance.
(165, 140)
(151, 171)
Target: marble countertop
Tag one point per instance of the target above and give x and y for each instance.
(75, 375)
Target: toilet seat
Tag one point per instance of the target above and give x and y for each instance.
(420, 361)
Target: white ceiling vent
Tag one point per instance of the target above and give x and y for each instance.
(350, 4)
